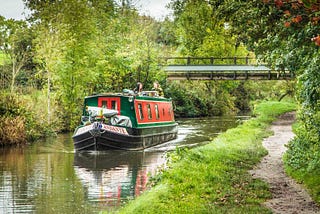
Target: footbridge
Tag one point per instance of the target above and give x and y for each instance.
(221, 68)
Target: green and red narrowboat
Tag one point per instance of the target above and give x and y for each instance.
(125, 121)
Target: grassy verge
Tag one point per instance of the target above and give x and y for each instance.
(302, 160)
(310, 179)
(214, 178)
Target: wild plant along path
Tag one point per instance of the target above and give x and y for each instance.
(287, 195)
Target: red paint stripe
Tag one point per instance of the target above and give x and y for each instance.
(149, 112)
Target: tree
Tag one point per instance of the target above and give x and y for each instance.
(15, 43)
(131, 50)
(201, 31)
(67, 51)
(49, 52)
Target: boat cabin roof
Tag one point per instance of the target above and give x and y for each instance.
(147, 95)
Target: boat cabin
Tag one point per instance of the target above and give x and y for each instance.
(142, 111)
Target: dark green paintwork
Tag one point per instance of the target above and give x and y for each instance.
(127, 109)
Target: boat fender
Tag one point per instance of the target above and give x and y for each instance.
(97, 125)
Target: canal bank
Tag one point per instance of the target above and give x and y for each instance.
(214, 178)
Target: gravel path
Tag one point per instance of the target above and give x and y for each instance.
(288, 197)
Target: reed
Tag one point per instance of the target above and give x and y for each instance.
(23, 117)
(12, 130)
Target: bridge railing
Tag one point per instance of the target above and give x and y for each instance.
(208, 60)
(221, 68)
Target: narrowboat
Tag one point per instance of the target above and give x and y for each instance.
(125, 121)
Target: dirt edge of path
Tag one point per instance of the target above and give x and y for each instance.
(288, 197)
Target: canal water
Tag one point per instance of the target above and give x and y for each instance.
(49, 177)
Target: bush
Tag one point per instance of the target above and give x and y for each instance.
(18, 123)
(302, 159)
(196, 99)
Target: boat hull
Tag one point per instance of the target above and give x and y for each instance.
(100, 137)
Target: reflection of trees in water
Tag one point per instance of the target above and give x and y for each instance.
(38, 182)
(15, 186)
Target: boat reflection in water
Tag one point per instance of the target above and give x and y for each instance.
(113, 177)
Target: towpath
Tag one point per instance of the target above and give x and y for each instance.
(288, 197)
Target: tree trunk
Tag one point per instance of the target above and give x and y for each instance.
(13, 76)
(48, 97)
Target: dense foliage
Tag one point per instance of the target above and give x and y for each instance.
(199, 99)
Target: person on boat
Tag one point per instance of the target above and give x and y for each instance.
(157, 87)
(138, 89)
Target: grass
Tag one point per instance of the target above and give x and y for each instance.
(214, 178)
(310, 179)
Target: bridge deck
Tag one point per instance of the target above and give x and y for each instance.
(186, 68)
(225, 72)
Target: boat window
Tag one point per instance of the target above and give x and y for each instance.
(114, 104)
(163, 111)
(157, 111)
(149, 112)
(140, 111)
(104, 104)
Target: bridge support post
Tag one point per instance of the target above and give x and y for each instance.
(187, 75)
(269, 75)
(211, 60)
